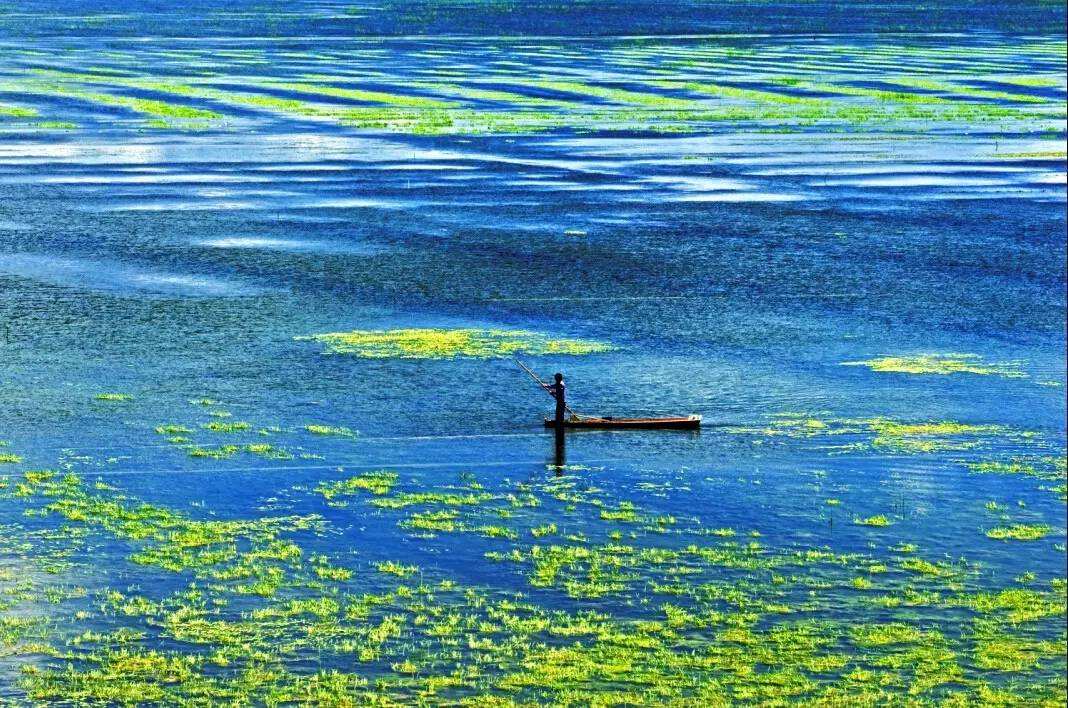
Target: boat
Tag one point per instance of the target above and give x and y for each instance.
(686, 422)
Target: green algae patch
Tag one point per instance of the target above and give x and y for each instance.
(113, 397)
(611, 94)
(151, 107)
(225, 452)
(1019, 532)
(878, 520)
(267, 451)
(173, 429)
(1016, 605)
(451, 499)
(940, 364)
(1006, 652)
(925, 567)
(370, 96)
(181, 124)
(591, 599)
(8, 458)
(883, 634)
(221, 452)
(1047, 468)
(508, 98)
(328, 430)
(544, 530)
(959, 89)
(1041, 155)
(53, 125)
(9, 111)
(450, 343)
(398, 569)
(884, 434)
(218, 426)
(930, 437)
(632, 94)
(378, 483)
(164, 538)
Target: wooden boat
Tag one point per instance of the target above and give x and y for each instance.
(688, 422)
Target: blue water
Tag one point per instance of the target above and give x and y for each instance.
(734, 267)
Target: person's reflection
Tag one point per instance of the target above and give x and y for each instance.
(560, 450)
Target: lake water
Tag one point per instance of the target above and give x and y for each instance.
(837, 234)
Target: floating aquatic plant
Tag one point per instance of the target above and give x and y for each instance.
(173, 429)
(379, 483)
(338, 431)
(544, 530)
(223, 452)
(216, 453)
(217, 426)
(604, 600)
(398, 569)
(450, 343)
(888, 435)
(877, 520)
(1002, 651)
(1019, 532)
(941, 364)
(268, 451)
(883, 634)
(17, 111)
(1046, 468)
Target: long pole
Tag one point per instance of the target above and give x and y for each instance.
(544, 386)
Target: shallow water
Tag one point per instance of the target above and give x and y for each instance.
(844, 249)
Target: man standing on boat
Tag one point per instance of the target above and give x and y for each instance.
(558, 391)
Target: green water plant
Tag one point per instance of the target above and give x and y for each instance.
(338, 431)
(1019, 532)
(449, 343)
(940, 364)
(379, 483)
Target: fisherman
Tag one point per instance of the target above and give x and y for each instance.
(558, 391)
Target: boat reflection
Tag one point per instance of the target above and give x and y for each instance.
(559, 451)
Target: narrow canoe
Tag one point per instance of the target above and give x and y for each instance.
(688, 422)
